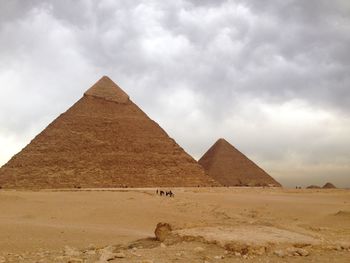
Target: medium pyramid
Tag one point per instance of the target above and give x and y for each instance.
(230, 167)
(103, 140)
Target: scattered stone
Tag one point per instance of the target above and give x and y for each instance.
(119, 255)
(108, 249)
(146, 261)
(180, 254)
(90, 252)
(292, 251)
(2, 259)
(345, 245)
(162, 245)
(330, 247)
(91, 247)
(295, 251)
(237, 254)
(243, 249)
(338, 248)
(162, 231)
(107, 256)
(41, 254)
(137, 255)
(302, 252)
(198, 249)
(259, 251)
(205, 257)
(280, 253)
(301, 245)
(19, 257)
(70, 251)
(75, 260)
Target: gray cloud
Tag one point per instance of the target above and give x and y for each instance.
(271, 77)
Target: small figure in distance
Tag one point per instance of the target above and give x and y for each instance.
(157, 192)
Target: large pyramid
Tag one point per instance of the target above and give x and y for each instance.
(230, 167)
(103, 140)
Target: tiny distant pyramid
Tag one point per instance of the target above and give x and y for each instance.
(230, 167)
(329, 186)
(103, 140)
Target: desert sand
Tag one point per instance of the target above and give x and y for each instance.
(208, 225)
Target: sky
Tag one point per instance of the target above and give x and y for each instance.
(271, 77)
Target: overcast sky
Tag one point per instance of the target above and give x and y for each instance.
(271, 77)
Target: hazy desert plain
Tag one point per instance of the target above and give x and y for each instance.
(208, 225)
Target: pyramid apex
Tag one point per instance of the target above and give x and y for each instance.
(106, 89)
(222, 141)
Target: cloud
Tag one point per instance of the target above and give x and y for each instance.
(272, 78)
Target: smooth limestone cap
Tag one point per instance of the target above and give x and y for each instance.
(106, 89)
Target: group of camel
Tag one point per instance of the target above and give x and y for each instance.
(165, 193)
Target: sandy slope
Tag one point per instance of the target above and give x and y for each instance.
(271, 219)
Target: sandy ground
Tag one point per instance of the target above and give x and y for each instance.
(210, 225)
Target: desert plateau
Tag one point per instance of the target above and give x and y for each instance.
(219, 224)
